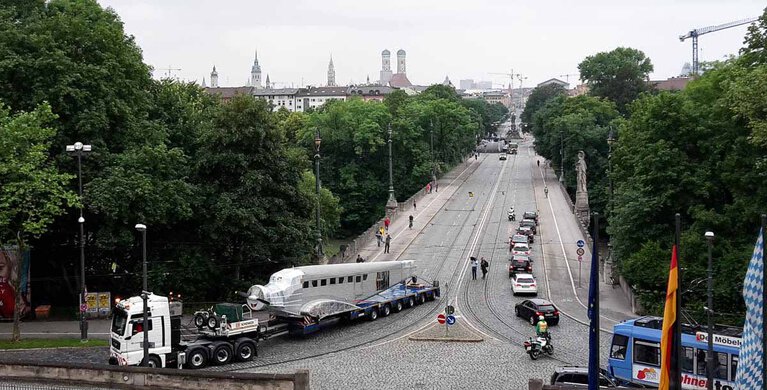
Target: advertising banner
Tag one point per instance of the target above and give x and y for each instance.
(14, 271)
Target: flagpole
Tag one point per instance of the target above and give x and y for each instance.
(764, 308)
(676, 366)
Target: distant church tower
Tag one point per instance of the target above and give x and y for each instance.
(214, 78)
(401, 62)
(331, 74)
(255, 74)
(385, 67)
(268, 84)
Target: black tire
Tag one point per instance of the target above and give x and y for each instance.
(410, 302)
(153, 362)
(199, 320)
(386, 311)
(373, 314)
(212, 322)
(549, 349)
(196, 358)
(246, 350)
(398, 306)
(534, 354)
(421, 298)
(222, 354)
(532, 320)
(516, 311)
(430, 296)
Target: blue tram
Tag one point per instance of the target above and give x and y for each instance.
(635, 353)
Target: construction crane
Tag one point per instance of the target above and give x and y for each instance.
(511, 76)
(169, 70)
(567, 76)
(694, 34)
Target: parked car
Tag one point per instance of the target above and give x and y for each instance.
(523, 284)
(578, 377)
(529, 223)
(527, 231)
(531, 215)
(520, 264)
(519, 239)
(520, 249)
(532, 308)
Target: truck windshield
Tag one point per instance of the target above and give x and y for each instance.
(119, 319)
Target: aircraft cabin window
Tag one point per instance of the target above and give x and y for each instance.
(323, 282)
(306, 284)
(350, 279)
(314, 283)
(365, 277)
(341, 280)
(359, 278)
(332, 280)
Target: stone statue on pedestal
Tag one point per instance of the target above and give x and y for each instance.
(581, 191)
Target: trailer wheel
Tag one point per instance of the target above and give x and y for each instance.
(410, 302)
(199, 320)
(431, 296)
(386, 311)
(213, 322)
(153, 362)
(398, 307)
(421, 298)
(245, 351)
(222, 354)
(197, 358)
(373, 314)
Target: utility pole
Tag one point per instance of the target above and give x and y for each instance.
(709, 312)
(391, 204)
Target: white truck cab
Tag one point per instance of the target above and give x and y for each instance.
(127, 337)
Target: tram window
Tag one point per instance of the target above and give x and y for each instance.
(687, 359)
(720, 365)
(306, 284)
(646, 352)
(323, 282)
(358, 279)
(733, 366)
(701, 362)
(618, 349)
(332, 280)
(314, 283)
(350, 279)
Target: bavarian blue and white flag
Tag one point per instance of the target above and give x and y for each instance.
(749, 374)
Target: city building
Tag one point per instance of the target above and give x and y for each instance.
(314, 97)
(483, 85)
(448, 82)
(466, 84)
(214, 78)
(331, 74)
(559, 82)
(255, 74)
(369, 92)
(672, 84)
(226, 93)
(281, 97)
(386, 73)
(399, 79)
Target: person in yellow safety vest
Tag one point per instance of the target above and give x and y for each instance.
(542, 327)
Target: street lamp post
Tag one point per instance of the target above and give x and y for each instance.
(144, 294)
(317, 142)
(79, 150)
(562, 157)
(610, 142)
(391, 204)
(431, 154)
(709, 312)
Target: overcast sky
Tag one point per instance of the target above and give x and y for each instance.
(460, 39)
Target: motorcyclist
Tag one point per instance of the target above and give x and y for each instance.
(512, 216)
(542, 329)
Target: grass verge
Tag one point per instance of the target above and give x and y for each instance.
(51, 343)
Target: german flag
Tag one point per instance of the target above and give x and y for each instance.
(669, 351)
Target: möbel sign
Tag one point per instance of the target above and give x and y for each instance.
(719, 339)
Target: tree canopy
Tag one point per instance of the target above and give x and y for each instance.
(619, 75)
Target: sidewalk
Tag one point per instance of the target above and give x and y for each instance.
(401, 235)
(97, 329)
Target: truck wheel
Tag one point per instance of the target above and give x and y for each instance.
(245, 351)
(222, 354)
(213, 322)
(153, 362)
(197, 358)
(199, 320)
(410, 302)
(421, 298)
(431, 296)
(386, 311)
(373, 314)
(398, 307)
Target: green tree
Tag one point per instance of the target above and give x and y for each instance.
(619, 75)
(330, 208)
(33, 191)
(753, 53)
(538, 98)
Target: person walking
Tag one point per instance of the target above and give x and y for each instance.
(539, 163)
(484, 265)
(387, 221)
(436, 186)
(388, 242)
(411, 221)
(474, 265)
(428, 188)
(360, 259)
(379, 237)
(414, 206)
(546, 191)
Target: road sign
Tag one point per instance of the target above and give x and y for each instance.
(581, 243)
(441, 318)
(580, 258)
(580, 251)
(449, 310)
(83, 307)
(451, 320)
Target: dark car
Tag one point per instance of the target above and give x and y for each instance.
(530, 223)
(532, 308)
(520, 263)
(578, 377)
(531, 215)
(527, 231)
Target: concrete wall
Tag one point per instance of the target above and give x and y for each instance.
(148, 378)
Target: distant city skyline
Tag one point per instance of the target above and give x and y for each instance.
(541, 41)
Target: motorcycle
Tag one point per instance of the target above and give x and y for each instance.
(535, 347)
(512, 216)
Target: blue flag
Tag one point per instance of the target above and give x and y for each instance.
(594, 312)
(749, 375)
